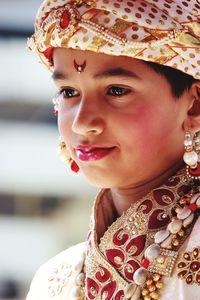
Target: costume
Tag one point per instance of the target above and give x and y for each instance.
(153, 250)
(112, 259)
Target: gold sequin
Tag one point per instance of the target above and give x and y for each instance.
(85, 39)
(107, 20)
(191, 55)
(125, 17)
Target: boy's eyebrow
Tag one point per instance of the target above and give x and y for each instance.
(112, 72)
(116, 72)
(56, 76)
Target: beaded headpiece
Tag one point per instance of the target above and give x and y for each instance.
(166, 32)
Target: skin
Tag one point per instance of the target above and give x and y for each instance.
(145, 123)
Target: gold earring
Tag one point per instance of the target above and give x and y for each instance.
(64, 155)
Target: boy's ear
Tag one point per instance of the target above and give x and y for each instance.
(192, 122)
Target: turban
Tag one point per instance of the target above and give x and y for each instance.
(166, 32)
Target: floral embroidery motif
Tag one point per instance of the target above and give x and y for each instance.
(189, 267)
(58, 279)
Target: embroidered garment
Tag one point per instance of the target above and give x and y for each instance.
(113, 256)
(166, 32)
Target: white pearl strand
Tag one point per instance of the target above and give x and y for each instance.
(115, 39)
(163, 238)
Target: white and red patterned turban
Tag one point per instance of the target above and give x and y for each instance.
(166, 32)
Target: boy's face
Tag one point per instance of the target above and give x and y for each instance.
(118, 118)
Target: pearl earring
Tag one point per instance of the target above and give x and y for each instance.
(190, 156)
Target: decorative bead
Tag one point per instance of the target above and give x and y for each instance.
(181, 233)
(159, 285)
(140, 276)
(152, 252)
(184, 213)
(152, 288)
(64, 22)
(188, 220)
(80, 279)
(74, 167)
(156, 277)
(188, 140)
(166, 243)
(149, 282)
(145, 292)
(195, 198)
(154, 295)
(130, 290)
(175, 226)
(160, 259)
(147, 297)
(182, 200)
(175, 242)
(137, 294)
(161, 236)
(178, 209)
(190, 158)
(193, 207)
(145, 263)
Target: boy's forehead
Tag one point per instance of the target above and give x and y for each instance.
(95, 59)
(144, 30)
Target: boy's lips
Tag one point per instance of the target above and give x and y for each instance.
(91, 153)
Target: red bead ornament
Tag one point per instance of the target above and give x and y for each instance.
(145, 263)
(64, 22)
(193, 207)
(194, 172)
(55, 113)
(74, 167)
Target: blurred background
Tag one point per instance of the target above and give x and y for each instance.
(44, 208)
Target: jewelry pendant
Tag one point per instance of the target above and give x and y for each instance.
(80, 68)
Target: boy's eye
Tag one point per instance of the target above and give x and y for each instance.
(69, 93)
(117, 91)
